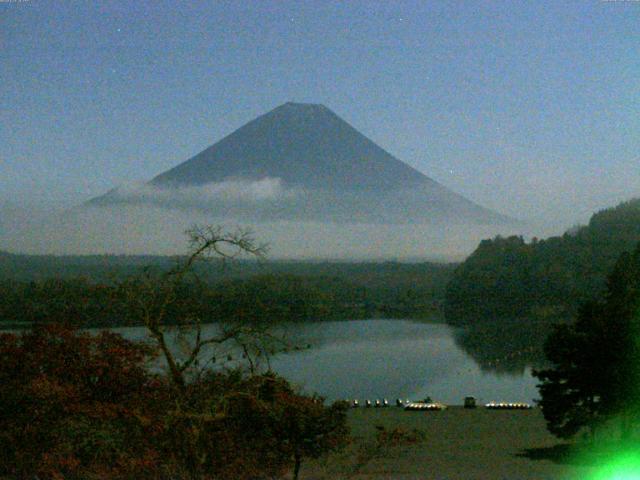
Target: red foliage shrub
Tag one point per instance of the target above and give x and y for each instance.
(268, 428)
(72, 405)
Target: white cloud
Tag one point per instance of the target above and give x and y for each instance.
(230, 191)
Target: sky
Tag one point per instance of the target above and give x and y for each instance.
(530, 108)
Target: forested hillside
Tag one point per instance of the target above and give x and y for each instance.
(508, 278)
(89, 291)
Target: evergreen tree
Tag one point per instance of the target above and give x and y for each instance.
(596, 361)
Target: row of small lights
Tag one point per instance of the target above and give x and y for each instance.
(438, 406)
(508, 406)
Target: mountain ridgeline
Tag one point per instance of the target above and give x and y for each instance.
(303, 162)
(508, 279)
(304, 145)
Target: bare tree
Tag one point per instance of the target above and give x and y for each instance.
(200, 406)
(150, 296)
(150, 300)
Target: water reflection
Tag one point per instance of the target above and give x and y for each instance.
(388, 359)
(394, 358)
(505, 347)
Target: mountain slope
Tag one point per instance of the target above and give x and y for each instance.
(303, 144)
(302, 161)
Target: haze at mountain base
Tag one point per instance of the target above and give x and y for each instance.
(144, 229)
(304, 180)
(301, 162)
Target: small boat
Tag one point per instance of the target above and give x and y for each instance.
(419, 406)
(507, 406)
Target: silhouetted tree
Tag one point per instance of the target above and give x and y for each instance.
(596, 360)
(155, 299)
(308, 427)
(248, 428)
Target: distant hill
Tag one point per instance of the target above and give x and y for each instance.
(101, 268)
(83, 289)
(510, 279)
(303, 162)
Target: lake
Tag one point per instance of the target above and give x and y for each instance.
(369, 359)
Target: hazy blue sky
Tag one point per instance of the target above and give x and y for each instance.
(532, 108)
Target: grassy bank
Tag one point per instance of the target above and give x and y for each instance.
(452, 444)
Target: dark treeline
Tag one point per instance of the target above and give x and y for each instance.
(595, 361)
(509, 294)
(110, 267)
(508, 278)
(99, 268)
(243, 291)
(505, 347)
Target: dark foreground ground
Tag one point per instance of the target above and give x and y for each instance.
(452, 444)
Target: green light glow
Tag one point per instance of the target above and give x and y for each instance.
(624, 466)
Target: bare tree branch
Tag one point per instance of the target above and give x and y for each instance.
(151, 296)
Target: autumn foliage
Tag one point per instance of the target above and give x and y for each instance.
(79, 406)
(75, 405)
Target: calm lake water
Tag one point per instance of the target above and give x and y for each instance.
(369, 359)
